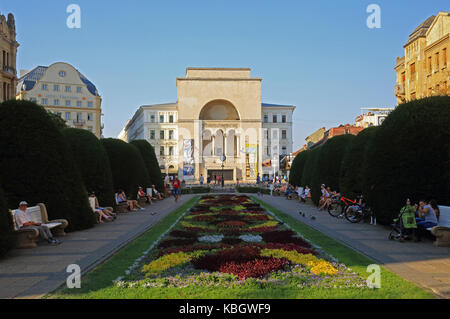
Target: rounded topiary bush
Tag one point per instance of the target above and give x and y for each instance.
(298, 164)
(328, 164)
(353, 162)
(7, 236)
(127, 166)
(151, 163)
(37, 165)
(310, 170)
(410, 157)
(93, 163)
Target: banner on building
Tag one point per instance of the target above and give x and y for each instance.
(251, 161)
(188, 158)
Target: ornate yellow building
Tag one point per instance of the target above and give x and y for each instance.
(424, 69)
(8, 54)
(63, 90)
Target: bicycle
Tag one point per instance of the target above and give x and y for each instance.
(339, 205)
(358, 214)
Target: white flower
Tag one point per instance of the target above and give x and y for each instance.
(251, 238)
(211, 238)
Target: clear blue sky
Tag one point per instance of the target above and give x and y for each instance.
(317, 55)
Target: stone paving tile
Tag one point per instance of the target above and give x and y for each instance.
(32, 273)
(422, 263)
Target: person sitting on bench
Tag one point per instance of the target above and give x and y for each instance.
(102, 212)
(427, 218)
(122, 198)
(156, 193)
(23, 220)
(143, 194)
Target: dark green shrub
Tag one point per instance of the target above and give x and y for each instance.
(252, 189)
(310, 170)
(151, 163)
(57, 120)
(195, 190)
(7, 236)
(93, 163)
(298, 164)
(37, 165)
(410, 157)
(351, 175)
(127, 166)
(328, 166)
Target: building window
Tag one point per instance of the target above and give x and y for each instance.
(444, 56)
(152, 118)
(56, 88)
(161, 150)
(90, 117)
(266, 118)
(161, 135)
(152, 134)
(283, 134)
(44, 87)
(67, 115)
(89, 104)
(79, 89)
(171, 150)
(267, 150)
(56, 102)
(283, 118)
(274, 119)
(62, 73)
(67, 102)
(170, 118)
(79, 103)
(267, 134)
(67, 88)
(44, 101)
(171, 135)
(161, 119)
(283, 150)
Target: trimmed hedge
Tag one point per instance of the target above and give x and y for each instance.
(328, 165)
(127, 166)
(298, 164)
(354, 161)
(151, 162)
(410, 157)
(37, 165)
(195, 190)
(7, 236)
(252, 189)
(93, 163)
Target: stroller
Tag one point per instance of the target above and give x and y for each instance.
(404, 226)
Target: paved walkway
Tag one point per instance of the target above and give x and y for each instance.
(422, 263)
(32, 273)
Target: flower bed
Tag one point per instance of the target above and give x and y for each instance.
(229, 240)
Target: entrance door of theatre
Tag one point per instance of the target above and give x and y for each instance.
(227, 174)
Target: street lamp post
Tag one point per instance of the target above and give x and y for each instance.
(223, 159)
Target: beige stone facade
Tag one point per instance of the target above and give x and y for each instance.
(218, 112)
(63, 90)
(8, 55)
(424, 69)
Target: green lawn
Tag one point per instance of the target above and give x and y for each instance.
(98, 283)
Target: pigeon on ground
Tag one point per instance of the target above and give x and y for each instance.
(313, 217)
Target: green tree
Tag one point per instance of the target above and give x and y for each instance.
(37, 165)
(410, 157)
(57, 120)
(127, 166)
(151, 163)
(310, 169)
(93, 163)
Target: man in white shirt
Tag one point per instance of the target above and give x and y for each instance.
(23, 220)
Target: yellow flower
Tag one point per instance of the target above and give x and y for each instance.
(168, 261)
(317, 266)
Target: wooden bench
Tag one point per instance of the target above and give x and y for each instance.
(29, 237)
(442, 230)
(293, 196)
(121, 207)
